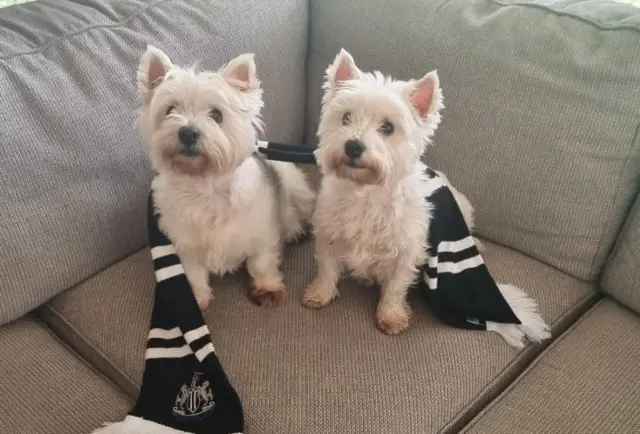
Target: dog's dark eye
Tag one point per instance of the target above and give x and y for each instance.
(346, 118)
(216, 115)
(386, 128)
(170, 109)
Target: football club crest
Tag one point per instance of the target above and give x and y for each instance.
(473, 320)
(195, 400)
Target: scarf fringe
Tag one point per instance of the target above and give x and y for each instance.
(526, 309)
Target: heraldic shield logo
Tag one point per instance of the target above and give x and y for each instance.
(195, 400)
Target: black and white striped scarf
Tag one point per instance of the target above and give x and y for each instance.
(184, 387)
(457, 284)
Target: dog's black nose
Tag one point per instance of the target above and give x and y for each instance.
(353, 148)
(189, 135)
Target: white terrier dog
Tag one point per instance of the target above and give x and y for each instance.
(371, 215)
(219, 203)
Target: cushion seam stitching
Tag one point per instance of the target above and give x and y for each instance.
(536, 362)
(79, 357)
(514, 362)
(88, 341)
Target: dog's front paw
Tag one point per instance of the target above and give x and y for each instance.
(392, 320)
(204, 300)
(268, 297)
(318, 295)
(268, 289)
(479, 245)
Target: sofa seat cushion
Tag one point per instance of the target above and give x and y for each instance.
(45, 388)
(299, 370)
(588, 380)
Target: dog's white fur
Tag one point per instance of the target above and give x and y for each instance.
(219, 207)
(371, 217)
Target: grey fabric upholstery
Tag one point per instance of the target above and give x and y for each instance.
(587, 382)
(322, 372)
(75, 174)
(541, 121)
(46, 389)
(540, 130)
(621, 277)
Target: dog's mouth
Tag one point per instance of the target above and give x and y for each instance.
(353, 163)
(187, 161)
(356, 164)
(188, 152)
(357, 170)
(187, 156)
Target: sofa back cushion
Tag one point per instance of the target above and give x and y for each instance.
(74, 175)
(621, 276)
(542, 106)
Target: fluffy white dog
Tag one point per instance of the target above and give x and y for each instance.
(371, 215)
(219, 203)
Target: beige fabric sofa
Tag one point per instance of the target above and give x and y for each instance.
(541, 130)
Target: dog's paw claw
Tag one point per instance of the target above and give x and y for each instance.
(393, 322)
(268, 297)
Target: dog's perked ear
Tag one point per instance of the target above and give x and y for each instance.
(241, 72)
(425, 95)
(152, 70)
(342, 69)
